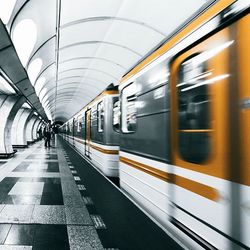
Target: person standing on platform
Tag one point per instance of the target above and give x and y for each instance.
(40, 133)
(47, 134)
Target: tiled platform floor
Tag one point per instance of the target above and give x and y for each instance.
(41, 206)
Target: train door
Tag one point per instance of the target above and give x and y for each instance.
(203, 83)
(243, 35)
(73, 131)
(87, 132)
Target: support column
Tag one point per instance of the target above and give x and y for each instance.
(18, 133)
(40, 126)
(29, 129)
(9, 106)
(34, 129)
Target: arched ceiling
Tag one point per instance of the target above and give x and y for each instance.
(79, 47)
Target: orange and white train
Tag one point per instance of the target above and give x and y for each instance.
(182, 151)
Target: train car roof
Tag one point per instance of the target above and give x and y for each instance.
(187, 28)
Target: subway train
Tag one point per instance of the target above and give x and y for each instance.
(177, 133)
(92, 133)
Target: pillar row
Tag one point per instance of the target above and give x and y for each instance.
(34, 129)
(18, 133)
(9, 106)
(29, 129)
(38, 128)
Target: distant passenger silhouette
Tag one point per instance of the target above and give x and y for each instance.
(40, 133)
(47, 134)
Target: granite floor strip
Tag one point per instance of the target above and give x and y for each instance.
(32, 184)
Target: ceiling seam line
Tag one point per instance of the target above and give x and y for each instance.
(93, 79)
(62, 101)
(48, 82)
(17, 13)
(105, 18)
(43, 72)
(53, 89)
(61, 94)
(95, 58)
(33, 54)
(101, 42)
(97, 70)
(49, 105)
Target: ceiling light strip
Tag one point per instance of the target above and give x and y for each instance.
(58, 17)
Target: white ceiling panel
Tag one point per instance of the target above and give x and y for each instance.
(81, 50)
(71, 72)
(83, 9)
(123, 56)
(88, 44)
(83, 32)
(105, 66)
(130, 33)
(106, 78)
(161, 15)
(69, 80)
(46, 53)
(45, 24)
(74, 63)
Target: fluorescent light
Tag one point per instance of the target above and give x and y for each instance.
(26, 105)
(24, 38)
(6, 9)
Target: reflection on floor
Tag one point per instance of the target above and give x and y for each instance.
(41, 205)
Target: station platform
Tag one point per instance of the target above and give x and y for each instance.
(54, 199)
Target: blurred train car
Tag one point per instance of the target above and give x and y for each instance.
(185, 119)
(94, 132)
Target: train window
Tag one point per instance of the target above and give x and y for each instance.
(129, 108)
(100, 116)
(116, 116)
(71, 127)
(79, 124)
(193, 112)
